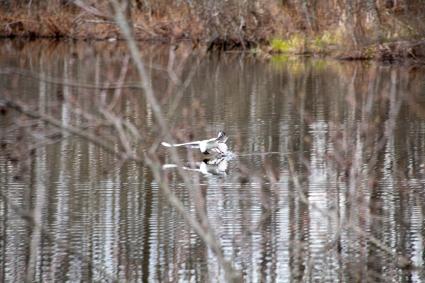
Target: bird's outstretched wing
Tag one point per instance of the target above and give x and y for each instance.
(194, 144)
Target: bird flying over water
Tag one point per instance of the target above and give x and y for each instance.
(213, 145)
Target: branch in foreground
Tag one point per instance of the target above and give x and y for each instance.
(207, 235)
(66, 82)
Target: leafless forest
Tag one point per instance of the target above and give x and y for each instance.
(354, 29)
(330, 171)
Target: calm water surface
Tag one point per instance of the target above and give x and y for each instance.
(327, 182)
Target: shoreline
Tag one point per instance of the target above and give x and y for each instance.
(264, 41)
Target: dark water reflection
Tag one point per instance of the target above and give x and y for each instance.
(350, 137)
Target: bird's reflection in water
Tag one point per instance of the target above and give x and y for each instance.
(209, 167)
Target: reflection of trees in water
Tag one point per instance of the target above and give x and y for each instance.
(343, 202)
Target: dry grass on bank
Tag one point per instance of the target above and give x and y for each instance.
(69, 23)
(325, 28)
(19, 24)
(227, 21)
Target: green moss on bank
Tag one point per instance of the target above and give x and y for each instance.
(299, 44)
(268, 29)
(335, 45)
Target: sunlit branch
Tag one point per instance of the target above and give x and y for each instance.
(66, 82)
(206, 235)
(103, 143)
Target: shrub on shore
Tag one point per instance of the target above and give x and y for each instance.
(354, 29)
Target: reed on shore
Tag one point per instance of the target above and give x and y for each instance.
(358, 29)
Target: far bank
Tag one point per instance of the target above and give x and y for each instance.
(353, 30)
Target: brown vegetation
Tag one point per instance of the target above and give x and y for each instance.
(363, 118)
(346, 29)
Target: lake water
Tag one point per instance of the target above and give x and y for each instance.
(326, 181)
